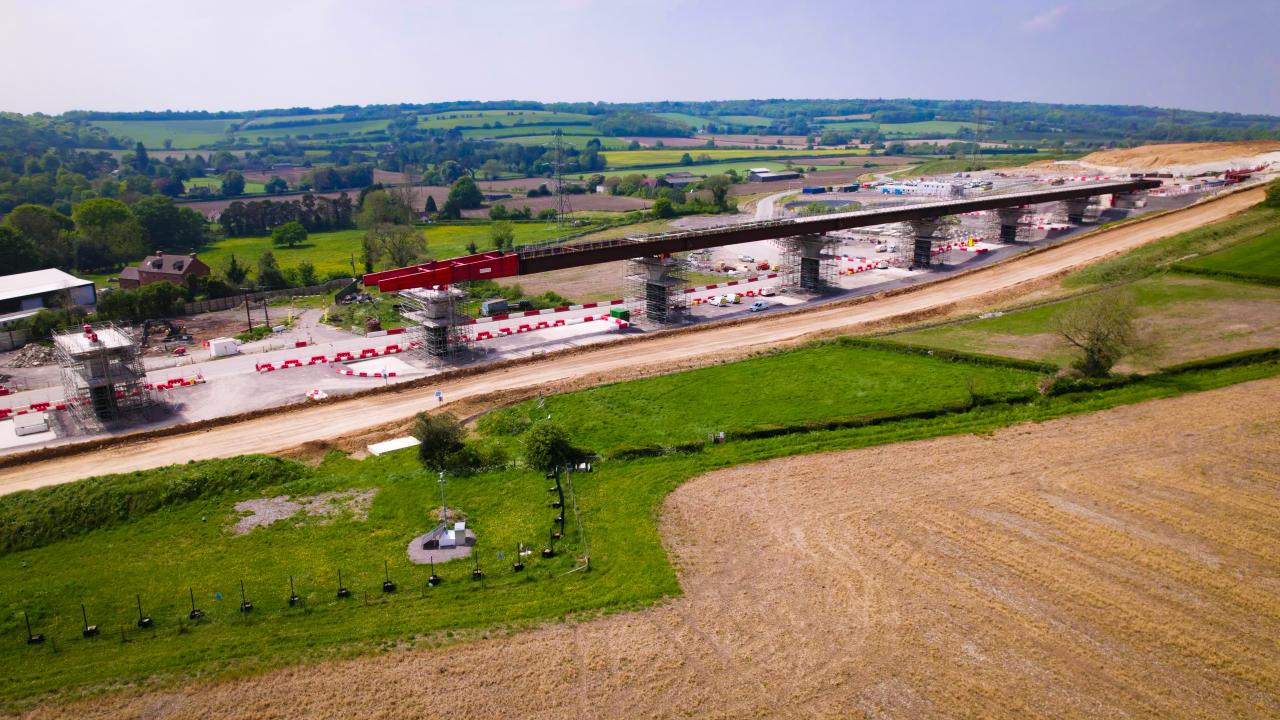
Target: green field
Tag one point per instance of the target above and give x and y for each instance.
(1182, 317)
(844, 381)
(181, 517)
(574, 141)
(948, 166)
(526, 130)
(350, 127)
(907, 130)
(739, 166)
(250, 186)
(478, 118)
(643, 158)
(185, 134)
(276, 119)
(754, 120)
(1257, 258)
(332, 252)
(692, 121)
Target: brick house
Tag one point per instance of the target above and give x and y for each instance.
(173, 268)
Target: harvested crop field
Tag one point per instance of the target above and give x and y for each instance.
(1123, 563)
(1155, 156)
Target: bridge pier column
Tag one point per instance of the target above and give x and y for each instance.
(1009, 220)
(658, 284)
(1128, 201)
(810, 261)
(1075, 209)
(923, 229)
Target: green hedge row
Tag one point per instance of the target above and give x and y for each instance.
(33, 518)
(1270, 280)
(951, 355)
(1244, 357)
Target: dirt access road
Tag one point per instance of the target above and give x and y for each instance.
(1118, 564)
(626, 359)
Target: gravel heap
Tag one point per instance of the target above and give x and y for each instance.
(32, 356)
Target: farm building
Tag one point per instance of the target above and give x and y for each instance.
(766, 175)
(681, 179)
(25, 294)
(172, 268)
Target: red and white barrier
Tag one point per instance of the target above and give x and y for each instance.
(532, 327)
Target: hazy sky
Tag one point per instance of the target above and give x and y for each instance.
(58, 55)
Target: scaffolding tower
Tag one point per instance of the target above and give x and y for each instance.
(807, 262)
(654, 288)
(439, 328)
(103, 378)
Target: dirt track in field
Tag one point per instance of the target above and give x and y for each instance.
(1119, 564)
(650, 355)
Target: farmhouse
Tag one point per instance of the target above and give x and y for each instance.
(25, 294)
(172, 268)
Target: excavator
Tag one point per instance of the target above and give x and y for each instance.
(174, 332)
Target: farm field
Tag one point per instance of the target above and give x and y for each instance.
(693, 121)
(1183, 317)
(739, 166)
(911, 129)
(350, 127)
(1256, 258)
(194, 541)
(215, 183)
(269, 120)
(332, 252)
(757, 120)
(526, 130)
(477, 118)
(184, 133)
(947, 166)
(642, 158)
(575, 141)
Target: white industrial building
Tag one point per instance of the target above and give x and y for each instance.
(931, 188)
(25, 294)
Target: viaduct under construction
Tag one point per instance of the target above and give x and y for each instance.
(430, 286)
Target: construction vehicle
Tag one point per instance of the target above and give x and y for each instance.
(174, 332)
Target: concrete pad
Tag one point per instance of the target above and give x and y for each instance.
(383, 448)
(9, 438)
(383, 365)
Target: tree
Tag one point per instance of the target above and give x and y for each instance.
(307, 274)
(400, 244)
(140, 159)
(232, 184)
(289, 234)
(275, 185)
(431, 208)
(169, 186)
(465, 193)
(1273, 194)
(440, 436)
(48, 231)
(451, 210)
(269, 275)
(492, 169)
(686, 159)
(108, 230)
(547, 447)
(17, 253)
(662, 208)
(719, 187)
(168, 226)
(502, 235)
(384, 208)
(1101, 328)
(235, 273)
(472, 248)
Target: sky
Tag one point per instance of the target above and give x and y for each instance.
(122, 55)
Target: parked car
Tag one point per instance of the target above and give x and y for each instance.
(746, 259)
(759, 305)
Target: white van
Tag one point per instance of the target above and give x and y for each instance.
(759, 305)
(768, 290)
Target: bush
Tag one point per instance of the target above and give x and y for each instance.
(33, 518)
(507, 422)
